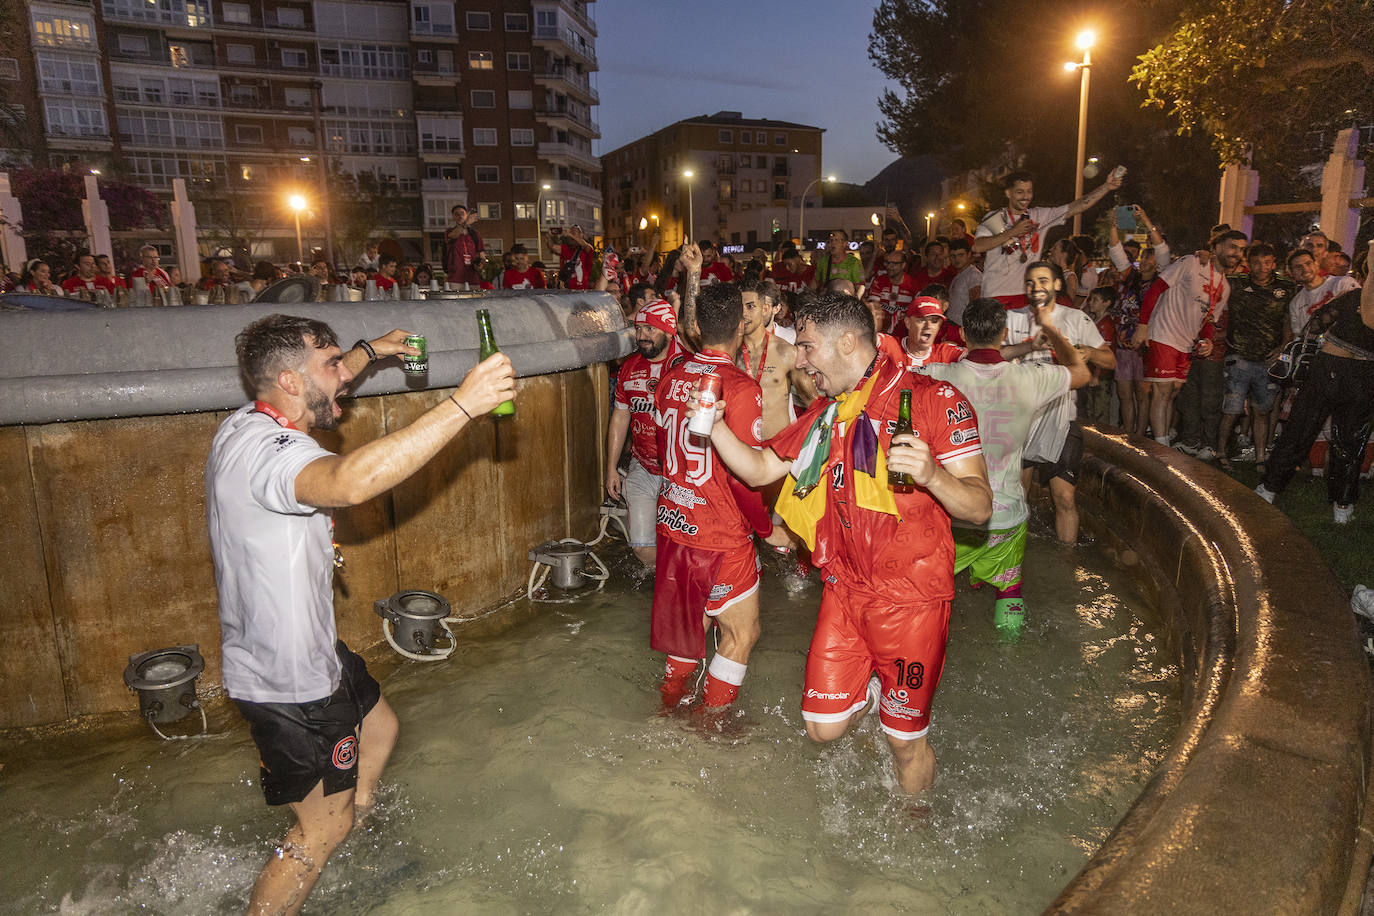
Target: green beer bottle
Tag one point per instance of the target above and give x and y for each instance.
(899, 482)
(488, 347)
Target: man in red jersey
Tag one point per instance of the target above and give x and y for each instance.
(935, 268)
(656, 349)
(887, 558)
(713, 269)
(890, 294)
(923, 322)
(706, 561)
(792, 274)
(521, 275)
(86, 277)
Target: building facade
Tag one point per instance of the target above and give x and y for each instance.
(381, 113)
(738, 164)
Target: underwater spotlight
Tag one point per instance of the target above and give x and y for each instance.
(165, 681)
(411, 621)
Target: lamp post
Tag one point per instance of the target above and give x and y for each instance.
(929, 216)
(297, 204)
(539, 216)
(801, 228)
(691, 228)
(1086, 39)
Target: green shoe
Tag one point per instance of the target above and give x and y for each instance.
(1009, 614)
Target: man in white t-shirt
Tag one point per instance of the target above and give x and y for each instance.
(1178, 315)
(1013, 236)
(967, 284)
(1315, 289)
(1055, 444)
(1006, 397)
(322, 729)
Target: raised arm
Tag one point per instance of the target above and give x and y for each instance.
(1091, 199)
(1068, 356)
(687, 317)
(755, 466)
(358, 358)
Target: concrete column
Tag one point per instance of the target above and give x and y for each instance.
(1239, 189)
(97, 217)
(1342, 179)
(184, 232)
(13, 252)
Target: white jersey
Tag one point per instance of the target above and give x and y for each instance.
(274, 563)
(1051, 426)
(1306, 302)
(959, 289)
(1006, 397)
(1004, 267)
(1197, 293)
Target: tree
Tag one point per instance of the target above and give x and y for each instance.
(1258, 75)
(53, 222)
(359, 204)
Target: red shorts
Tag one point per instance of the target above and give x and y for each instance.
(1165, 364)
(689, 582)
(858, 634)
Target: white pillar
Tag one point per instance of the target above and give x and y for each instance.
(184, 231)
(1239, 189)
(12, 249)
(97, 217)
(1342, 179)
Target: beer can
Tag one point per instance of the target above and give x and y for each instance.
(708, 392)
(415, 365)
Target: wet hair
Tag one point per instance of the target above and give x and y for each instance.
(1106, 293)
(720, 309)
(768, 291)
(959, 244)
(750, 282)
(639, 291)
(277, 342)
(1230, 235)
(938, 290)
(830, 310)
(1262, 249)
(1010, 179)
(984, 321)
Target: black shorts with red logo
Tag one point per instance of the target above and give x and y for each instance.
(303, 744)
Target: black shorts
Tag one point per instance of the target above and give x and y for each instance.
(1070, 460)
(302, 744)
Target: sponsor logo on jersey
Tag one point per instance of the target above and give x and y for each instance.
(812, 694)
(682, 495)
(283, 441)
(894, 704)
(960, 436)
(720, 592)
(958, 413)
(676, 521)
(346, 753)
(641, 405)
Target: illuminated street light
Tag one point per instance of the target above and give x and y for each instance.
(801, 230)
(691, 225)
(874, 219)
(1086, 39)
(929, 216)
(539, 215)
(297, 203)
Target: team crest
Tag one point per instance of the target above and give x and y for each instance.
(346, 753)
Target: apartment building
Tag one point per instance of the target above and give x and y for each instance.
(488, 102)
(738, 164)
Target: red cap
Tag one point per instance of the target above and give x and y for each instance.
(924, 307)
(658, 314)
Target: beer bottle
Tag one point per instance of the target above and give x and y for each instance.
(899, 482)
(488, 347)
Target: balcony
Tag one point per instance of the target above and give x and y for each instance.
(443, 187)
(568, 151)
(566, 38)
(570, 117)
(176, 13)
(431, 29)
(562, 77)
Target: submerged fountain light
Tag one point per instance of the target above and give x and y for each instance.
(165, 681)
(411, 621)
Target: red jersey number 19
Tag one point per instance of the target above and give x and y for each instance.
(693, 450)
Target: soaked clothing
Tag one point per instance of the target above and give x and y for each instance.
(1257, 316)
(634, 391)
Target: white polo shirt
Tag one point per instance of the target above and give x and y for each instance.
(274, 563)
(1306, 302)
(1051, 426)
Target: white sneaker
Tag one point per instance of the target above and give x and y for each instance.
(1342, 514)
(1265, 494)
(1206, 453)
(1246, 454)
(1186, 449)
(1362, 601)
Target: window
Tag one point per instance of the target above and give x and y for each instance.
(546, 19)
(522, 136)
(727, 189)
(483, 98)
(440, 135)
(494, 247)
(149, 90)
(432, 20)
(443, 62)
(136, 45)
(71, 74)
(526, 211)
(780, 139)
(746, 186)
(481, 60)
(520, 98)
(179, 55)
(438, 210)
(75, 118)
(725, 136)
(184, 13)
(241, 54)
(296, 97)
(300, 136)
(248, 133)
(364, 61)
(296, 58)
(443, 172)
(522, 174)
(289, 17)
(484, 136)
(488, 174)
(746, 161)
(517, 22)
(479, 22)
(488, 211)
(9, 68)
(517, 60)
(247, 172)
(424, 56)
(62, 31)
(236, 14)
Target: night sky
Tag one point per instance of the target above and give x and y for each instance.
(797, 61)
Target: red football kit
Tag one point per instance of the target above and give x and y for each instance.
(894, 298)
(158, 278)
(716, 272)
(942, 351)
(75, 284)
(792, 283)
(706, 560)
(634, 391)
(530, 278)
(889, 580)
(944, 277)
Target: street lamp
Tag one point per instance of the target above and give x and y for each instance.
(691, 228)
(297, 204)
(539, 216)
(801, 228)
(1086, 39)
(929, 216)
